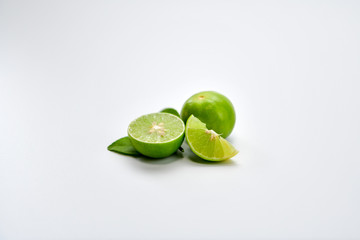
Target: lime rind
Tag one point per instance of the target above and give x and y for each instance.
(206, 143)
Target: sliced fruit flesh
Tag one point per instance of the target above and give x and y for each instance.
(156, 128)
(207, 144)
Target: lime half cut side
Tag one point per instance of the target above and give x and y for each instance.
(157, 135)
(206, 143)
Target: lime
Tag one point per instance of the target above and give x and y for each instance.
(206, 143)
(157, 135)
(212, 108)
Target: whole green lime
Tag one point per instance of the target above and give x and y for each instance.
(213, 109)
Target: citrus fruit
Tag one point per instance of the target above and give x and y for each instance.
(206, 143)
(212, 108)
(157, 135)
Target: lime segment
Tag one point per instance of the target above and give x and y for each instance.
(206, 143)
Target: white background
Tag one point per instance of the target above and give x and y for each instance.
(74, 74)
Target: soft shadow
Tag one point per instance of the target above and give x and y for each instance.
(161, 161)
(199, 160)
(230, 139)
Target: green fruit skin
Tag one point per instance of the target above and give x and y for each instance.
(157, 150)
(212, 108)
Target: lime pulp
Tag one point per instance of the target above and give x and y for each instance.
(157, 135)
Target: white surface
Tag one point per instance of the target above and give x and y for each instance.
(73, 75)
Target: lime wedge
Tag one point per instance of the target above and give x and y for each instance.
(157, 135)
(206, 143)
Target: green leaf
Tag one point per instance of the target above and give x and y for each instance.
(123, 146)
(171, 111)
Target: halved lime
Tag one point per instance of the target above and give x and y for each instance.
(157, 135)
(206, 143)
